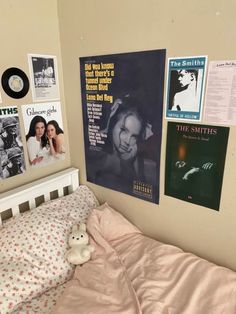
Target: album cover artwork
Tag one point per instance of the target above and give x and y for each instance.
(185, 87)
(195, 159)
(122, 100)
(44, 77)
(12, 160)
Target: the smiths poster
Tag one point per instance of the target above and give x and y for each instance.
(185, 87)
(195, 158)
(11, 148)
(122, 97)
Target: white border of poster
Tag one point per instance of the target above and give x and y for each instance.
(185, 88)
(44, 77)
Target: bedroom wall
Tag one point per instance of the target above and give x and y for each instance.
(88, 27)
(28, 26)
(184, 28)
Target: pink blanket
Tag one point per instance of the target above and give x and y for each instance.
(130, 273)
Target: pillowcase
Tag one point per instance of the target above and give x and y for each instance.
(33, 247)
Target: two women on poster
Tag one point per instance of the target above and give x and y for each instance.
(44, 133)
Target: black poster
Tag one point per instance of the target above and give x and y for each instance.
(195, 158)
(122, 99)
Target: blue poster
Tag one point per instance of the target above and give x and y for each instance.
(122, 101)
(185, 87)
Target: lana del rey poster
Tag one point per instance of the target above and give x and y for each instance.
(122, 100)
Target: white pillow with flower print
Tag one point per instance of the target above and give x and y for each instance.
(33, 248)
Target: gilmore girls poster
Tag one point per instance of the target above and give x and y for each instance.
(39, 119)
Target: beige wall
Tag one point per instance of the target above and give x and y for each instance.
(94, 27)
(184, 28)
(29, 26)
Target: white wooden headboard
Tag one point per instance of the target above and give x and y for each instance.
(42, 187)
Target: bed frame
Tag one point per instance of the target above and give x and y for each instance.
(64, 182)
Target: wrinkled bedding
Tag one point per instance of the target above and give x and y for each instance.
(131, 273)
(43, 304)
(32, 251)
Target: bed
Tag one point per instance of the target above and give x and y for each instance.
(129, 273)
(132, 273)
(33, 242)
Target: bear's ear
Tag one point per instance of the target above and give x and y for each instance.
(82, 227)
(74, 228)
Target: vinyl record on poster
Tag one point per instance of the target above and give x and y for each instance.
(15, 83)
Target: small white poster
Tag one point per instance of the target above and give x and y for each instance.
(44, 133)
(44, 77)
(220, 103)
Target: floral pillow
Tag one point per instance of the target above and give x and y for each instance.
(33, 248)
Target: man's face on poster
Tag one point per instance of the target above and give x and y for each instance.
(185, 78)
(11, 130)
(16, 160)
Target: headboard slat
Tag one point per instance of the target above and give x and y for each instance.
(15, 210)
(46, 197)
(32, 203)
(60, 192)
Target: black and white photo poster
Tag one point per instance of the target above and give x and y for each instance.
(44, 77)
(185, 87)
(122, 99)
(11, 148)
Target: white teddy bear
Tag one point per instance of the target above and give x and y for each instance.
(80, 251)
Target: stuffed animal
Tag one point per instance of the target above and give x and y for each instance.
(80, 251)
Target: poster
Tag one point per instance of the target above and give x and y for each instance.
(44, 133)
(44, 77)
(122, 99)
(11, 149)
(220, 104)
(185, 87)
(195, 158)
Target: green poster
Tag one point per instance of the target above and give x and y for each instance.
(195, 158)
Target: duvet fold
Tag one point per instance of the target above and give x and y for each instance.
(130, 273)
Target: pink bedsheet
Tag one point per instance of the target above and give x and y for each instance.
(131, 273)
